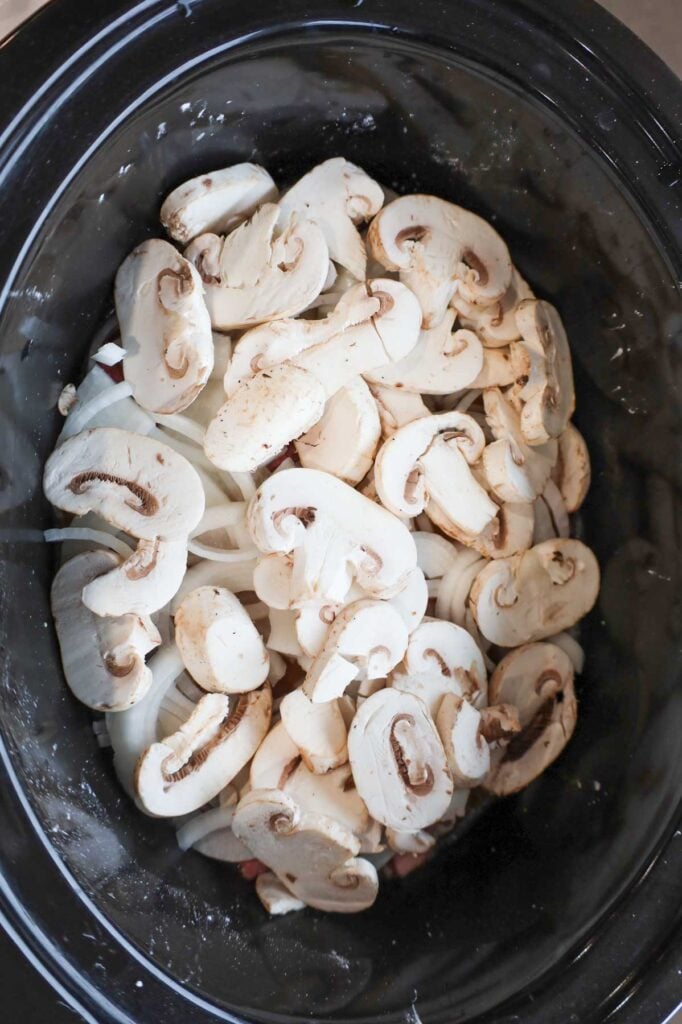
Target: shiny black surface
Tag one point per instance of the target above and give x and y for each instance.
(556, 124)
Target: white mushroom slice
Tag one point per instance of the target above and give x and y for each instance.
(534, 594)
(318, 730)
(236, 576)
(515, 471)
(216, 201)
(397, 407)
(165, 327)
(367, 637)
(102, 658)
(220, 646)
(498, 369)
(344, 440)
(495, 325)
(184, 771)
(281, 340)
(411, 602)
(281, 402)
(364, 539)
(337, 195)
(410, 842)
(547, 397)
(510, 531)
(312, 622)
(428, 460)
(440, 249)
(251, 276)
(442, 361)
(429, 687)
(272, 581)
(499, 725)
(283, 633)
(136, 483)
(275, 896)
(448, 649)
(459, 727)
(275, 760)
(398, 761)
(435, 554)
(67, 399)
(570, 646)
(313, 856)
(538, 681)
(210, 833)
(572, 473)
(143, 583)
(333, 794)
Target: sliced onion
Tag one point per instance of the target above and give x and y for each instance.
(183, 425)
(235, 576)
(98, 537)
(245, 484)
(202, 824)
(570, 646)
(217, 517)
(195, 547)
(81, 415)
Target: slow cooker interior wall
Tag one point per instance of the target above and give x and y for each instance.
(498, 908)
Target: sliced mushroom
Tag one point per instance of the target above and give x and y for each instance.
(102, 658)
(509, 532)
(543, 360)
(251, 276)
(318, 730)
(281, 340)
(515, 471)
(572, 473)
(428, 460)
(275, 760)
(535, 594)
(444, 648)
(495, 325)
(320, 519)
(499, 724)
(440, 249)
(136, 483)
(367, 637)
(344, 440)
(411, 602)
(143, 583)
(184, 771)
(275, 896)
(210, 833)
(442, 361)
(398, 762)
(410, 842)
(219, 644)
(280, 403)
(313, 856)
(334, 795)
(337, 195)
(459, 727)
(165, 327)
(498, 371)
(397, 407)
(435, 554)
(216, 201)
(537, 680)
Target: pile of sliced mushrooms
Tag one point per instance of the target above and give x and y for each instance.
(325, 475)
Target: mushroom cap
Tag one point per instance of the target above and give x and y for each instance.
(548, 396)
(515, 471)
(367, 637)
(442, 361)
(102, 658)
(509, 532)
(459, 727)
(165, 327)
(428, 459)
(136, 483)
(368, 540)
(333, 794)
(397, 407)
(344, 440)
(573, 473)
(412, 600)
(495, 325)
(313, 856)
(449, 650)
(440, 249)
(252, 276)
(398, 761)
(318, 730)
(337, 195)
(184, 771)
(263, 416)
(143, 583)
(535, 594)
(220, 646)
(216, 201)
(537, 679)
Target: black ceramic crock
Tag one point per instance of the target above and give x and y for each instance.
(562, 904)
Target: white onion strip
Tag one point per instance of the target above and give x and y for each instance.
(217, 517)
(107, 540)
(195, 547)
(81, 415)
(235, 576)
(183, 425)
